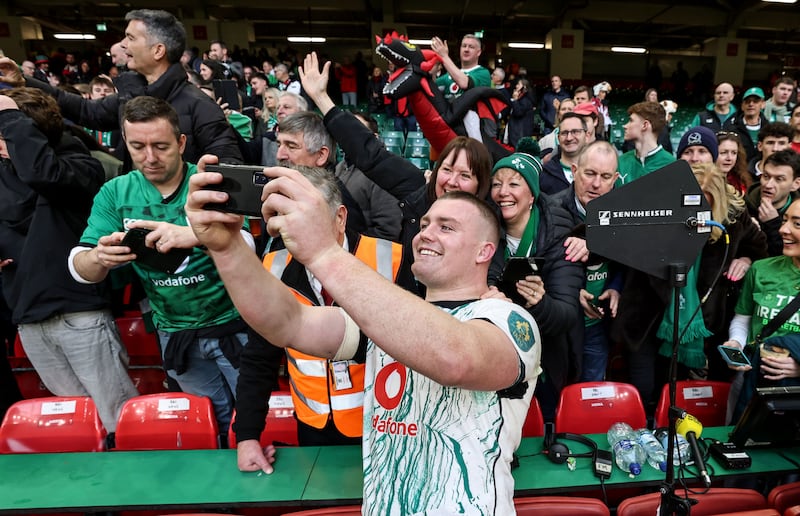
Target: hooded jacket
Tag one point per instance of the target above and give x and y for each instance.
(46, 193)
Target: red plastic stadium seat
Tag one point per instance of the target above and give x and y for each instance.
(30, 384)
(143, 348)
(28, 380)
(792, 511)
(54, 424)
(715, 501)
(534, 422)
(19, 351)
(281, 425)
(349, 510)
(705, 400)
(592, 407)
(148, 379)
(754, 512)
(560, 506)
(784, 496)
(167, 421)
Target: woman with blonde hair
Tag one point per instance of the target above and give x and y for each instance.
(269, 114)
(266, 117)
(645, 316)
(746, 245)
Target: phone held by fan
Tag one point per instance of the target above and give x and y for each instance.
(168, 262)
(518, 268)
(227, 90)
(733, 356)
(595, 307)
(243, 184)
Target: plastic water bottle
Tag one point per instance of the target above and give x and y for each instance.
(681, 454)
(628, 454)
(656, 456)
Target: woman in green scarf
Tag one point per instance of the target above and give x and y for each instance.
(535, 226)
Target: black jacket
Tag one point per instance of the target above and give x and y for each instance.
(520, 119)
(559, 310)
(771, 228)
(736, 124)
(46, 195)
(381, 212)
(566, 199)
(395, 174)
(200, 118)
(708, 118)
(547, 111)
(552, 179)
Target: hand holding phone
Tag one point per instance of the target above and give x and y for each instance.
(227, 90)
(243, 184)
(167, 262)
(518, 268)
(595, 308)
(733, 356)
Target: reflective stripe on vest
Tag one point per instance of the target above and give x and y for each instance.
(315, 367)
(315, 397)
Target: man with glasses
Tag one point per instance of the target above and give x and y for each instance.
(646, 119)
(557, 172)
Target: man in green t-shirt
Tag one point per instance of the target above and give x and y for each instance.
(470, 75)
(646, 119)
(768, 287)
(200, 331)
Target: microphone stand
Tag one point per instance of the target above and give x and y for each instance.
(670, 503)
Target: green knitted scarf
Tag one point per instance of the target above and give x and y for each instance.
(690, 348)
(527, 244)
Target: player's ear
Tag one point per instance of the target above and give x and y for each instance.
(486, 252)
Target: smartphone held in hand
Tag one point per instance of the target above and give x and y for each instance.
(733, 356)
(243, 184)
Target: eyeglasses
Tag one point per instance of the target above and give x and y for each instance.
(571, 132)
(727, 134)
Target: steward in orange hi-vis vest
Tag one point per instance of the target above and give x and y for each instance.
(324, 390)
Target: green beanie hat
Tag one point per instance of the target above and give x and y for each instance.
(529, 167)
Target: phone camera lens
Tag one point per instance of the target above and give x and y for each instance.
(260, 179)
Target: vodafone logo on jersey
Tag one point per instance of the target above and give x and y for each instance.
(390, 383)
(389, 387)
(454, 89)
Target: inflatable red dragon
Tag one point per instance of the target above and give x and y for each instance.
(439, 119)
